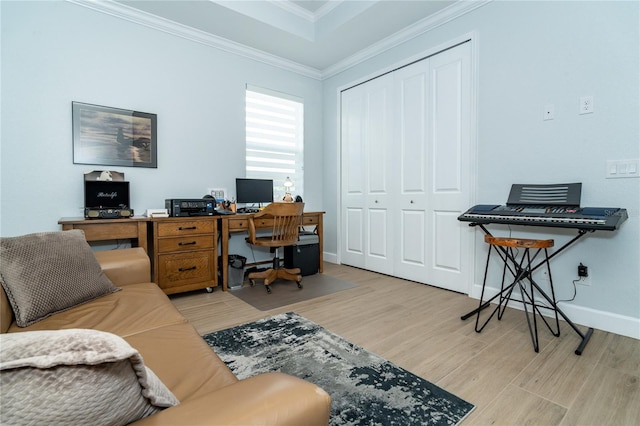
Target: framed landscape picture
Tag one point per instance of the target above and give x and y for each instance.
(114, 137)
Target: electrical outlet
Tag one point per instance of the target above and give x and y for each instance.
(220, 194)
(583, 271)
(583, 275)
(586, 105)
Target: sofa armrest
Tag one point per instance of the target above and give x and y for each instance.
(266, 399)
(125, 266)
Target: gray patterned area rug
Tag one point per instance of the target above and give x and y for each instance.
(365, 389)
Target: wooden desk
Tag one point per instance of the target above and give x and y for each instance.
(240, 222)
(134, 228)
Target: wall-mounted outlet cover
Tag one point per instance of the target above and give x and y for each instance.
(586, 105)
(220, 194)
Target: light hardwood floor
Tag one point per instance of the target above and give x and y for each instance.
(418, 327)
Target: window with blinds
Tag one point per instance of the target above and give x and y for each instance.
(275, 139)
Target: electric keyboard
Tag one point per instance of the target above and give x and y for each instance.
(587, 218)
(556, 205)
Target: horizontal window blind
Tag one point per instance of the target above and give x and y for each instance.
(275, 139)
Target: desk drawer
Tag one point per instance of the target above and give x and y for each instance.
(183, 269)
(187, 227)
(195, 242)
(238, 224)
(310, 220)
(113, 231)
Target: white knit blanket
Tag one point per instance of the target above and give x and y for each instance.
(76, 376)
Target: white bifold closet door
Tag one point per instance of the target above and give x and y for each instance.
(406, 164)
(367, 180)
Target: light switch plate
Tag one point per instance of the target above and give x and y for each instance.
(617, 169)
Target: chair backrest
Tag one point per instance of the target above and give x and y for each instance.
(286, 219)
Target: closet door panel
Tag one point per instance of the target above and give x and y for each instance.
(354, 235)
(378, 138)
(450, 164)
(378, 247)
(412, 250)
(447, 131)
(412, 94)
(353, 168)
(411, 84)
(380, 198)
(446, 242)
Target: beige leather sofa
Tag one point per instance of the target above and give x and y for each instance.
(209, 393)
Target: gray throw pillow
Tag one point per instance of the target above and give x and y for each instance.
(49, 272)
(76, 376)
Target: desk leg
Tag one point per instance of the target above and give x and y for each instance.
(320, 245)
(142, 236)
(225, 254)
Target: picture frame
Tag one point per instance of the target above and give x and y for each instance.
(114, 136)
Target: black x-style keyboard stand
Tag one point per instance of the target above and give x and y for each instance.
(521, 274)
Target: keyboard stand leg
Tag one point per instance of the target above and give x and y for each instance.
(483, 305)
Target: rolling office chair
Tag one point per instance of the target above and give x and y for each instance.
(286, 219)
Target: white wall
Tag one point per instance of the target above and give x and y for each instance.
(530, 54)
(54, 53)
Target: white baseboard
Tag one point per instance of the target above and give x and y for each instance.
(330, 257)
(586, 317)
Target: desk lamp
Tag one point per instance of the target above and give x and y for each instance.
(287, 196)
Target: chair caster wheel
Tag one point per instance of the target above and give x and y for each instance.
(209, 289)
(252, 282)
(268, 289)
(299, 285)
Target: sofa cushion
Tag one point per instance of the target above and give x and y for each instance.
(184, 352)
(71, 376)
(49, 272)
(134, 309)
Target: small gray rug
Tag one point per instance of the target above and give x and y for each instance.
(287, 292)
(365, 389)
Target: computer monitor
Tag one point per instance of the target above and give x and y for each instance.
(254, 191)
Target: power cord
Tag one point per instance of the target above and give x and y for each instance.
(575, 292)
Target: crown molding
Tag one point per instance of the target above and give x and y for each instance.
(136, 16)
(327, 8)
(294, 9)
(301, 12)
(131, 14)
(427, 24)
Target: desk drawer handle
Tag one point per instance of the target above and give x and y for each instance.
(190, 243)
(182, 228)
(186, 269)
